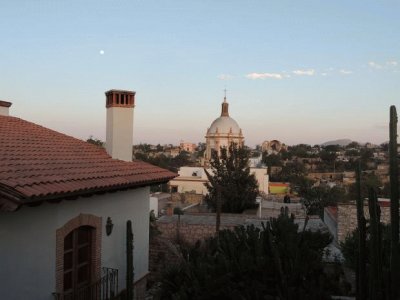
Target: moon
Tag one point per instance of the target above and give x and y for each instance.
(101, 52)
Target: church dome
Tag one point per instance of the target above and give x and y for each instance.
(223, 132)
(224, 125)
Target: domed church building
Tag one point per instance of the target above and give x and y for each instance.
(223, 132)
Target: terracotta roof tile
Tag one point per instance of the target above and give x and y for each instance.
(38, 164)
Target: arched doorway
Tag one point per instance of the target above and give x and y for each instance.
(78, 256)
(77, 259)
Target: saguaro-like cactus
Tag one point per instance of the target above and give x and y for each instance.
(394, 206)
(129, 261)
(362, 255)
(376, 275)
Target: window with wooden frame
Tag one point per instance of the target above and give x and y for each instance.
(78, 249)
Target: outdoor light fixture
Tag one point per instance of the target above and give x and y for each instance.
(109, 226)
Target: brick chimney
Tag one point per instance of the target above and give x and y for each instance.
(119, 133)
(4, 108)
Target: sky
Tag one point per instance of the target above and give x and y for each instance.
(296, 71)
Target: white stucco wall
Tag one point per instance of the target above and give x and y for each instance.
(191, 179)
(262, 178)
(28, 241)
(154, 205)
(186, 182)
(4, 111)
(119, 132)
(190, 185)
(190, 171)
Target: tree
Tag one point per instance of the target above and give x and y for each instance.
(353, 145)
(366, 154)
(144, 147)
(368, 180)
(332, 148)
(159, 148)
(95, 141)
(352, 152)
(318, 197)
(385, 146)
(173, 164)
(272, 160)
(230, 174)
(182, 159)
(292, 171)
(300, 150)
(301, 185)
(328, 156)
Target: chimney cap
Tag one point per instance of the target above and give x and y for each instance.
(120, 91)
(120, 98)
(5, 103)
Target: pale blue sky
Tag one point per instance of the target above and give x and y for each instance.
(297, 71)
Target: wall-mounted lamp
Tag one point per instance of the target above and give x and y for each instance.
(109, 226)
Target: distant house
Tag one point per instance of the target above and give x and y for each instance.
(172, 152)
(64, 204)
(193, 180)
(188, 147)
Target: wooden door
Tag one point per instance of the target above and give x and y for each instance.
(77, 259)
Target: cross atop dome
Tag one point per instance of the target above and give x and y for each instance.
(225, 107)
(225, 95)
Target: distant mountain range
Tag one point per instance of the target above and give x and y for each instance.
(340, 142)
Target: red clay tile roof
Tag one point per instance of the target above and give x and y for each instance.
(39, 164)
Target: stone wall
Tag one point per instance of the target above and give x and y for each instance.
(347, 217)
(189, 233)
(162, 253)
(191, 198)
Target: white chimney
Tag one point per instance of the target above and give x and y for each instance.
(119, 134)
(4, 108)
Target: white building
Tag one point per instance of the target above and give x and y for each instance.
(273, 147)
(190, 180)
(193, 179)
(64, 205)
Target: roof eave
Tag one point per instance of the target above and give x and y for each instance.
(9, 203)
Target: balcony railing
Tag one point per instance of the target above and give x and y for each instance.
(106, 288)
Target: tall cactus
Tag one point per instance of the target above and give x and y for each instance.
(362, 255)
(129, 261)
(282, 284)
(376, 273)
(394, 206)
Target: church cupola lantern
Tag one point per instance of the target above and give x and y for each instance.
(225, 109)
